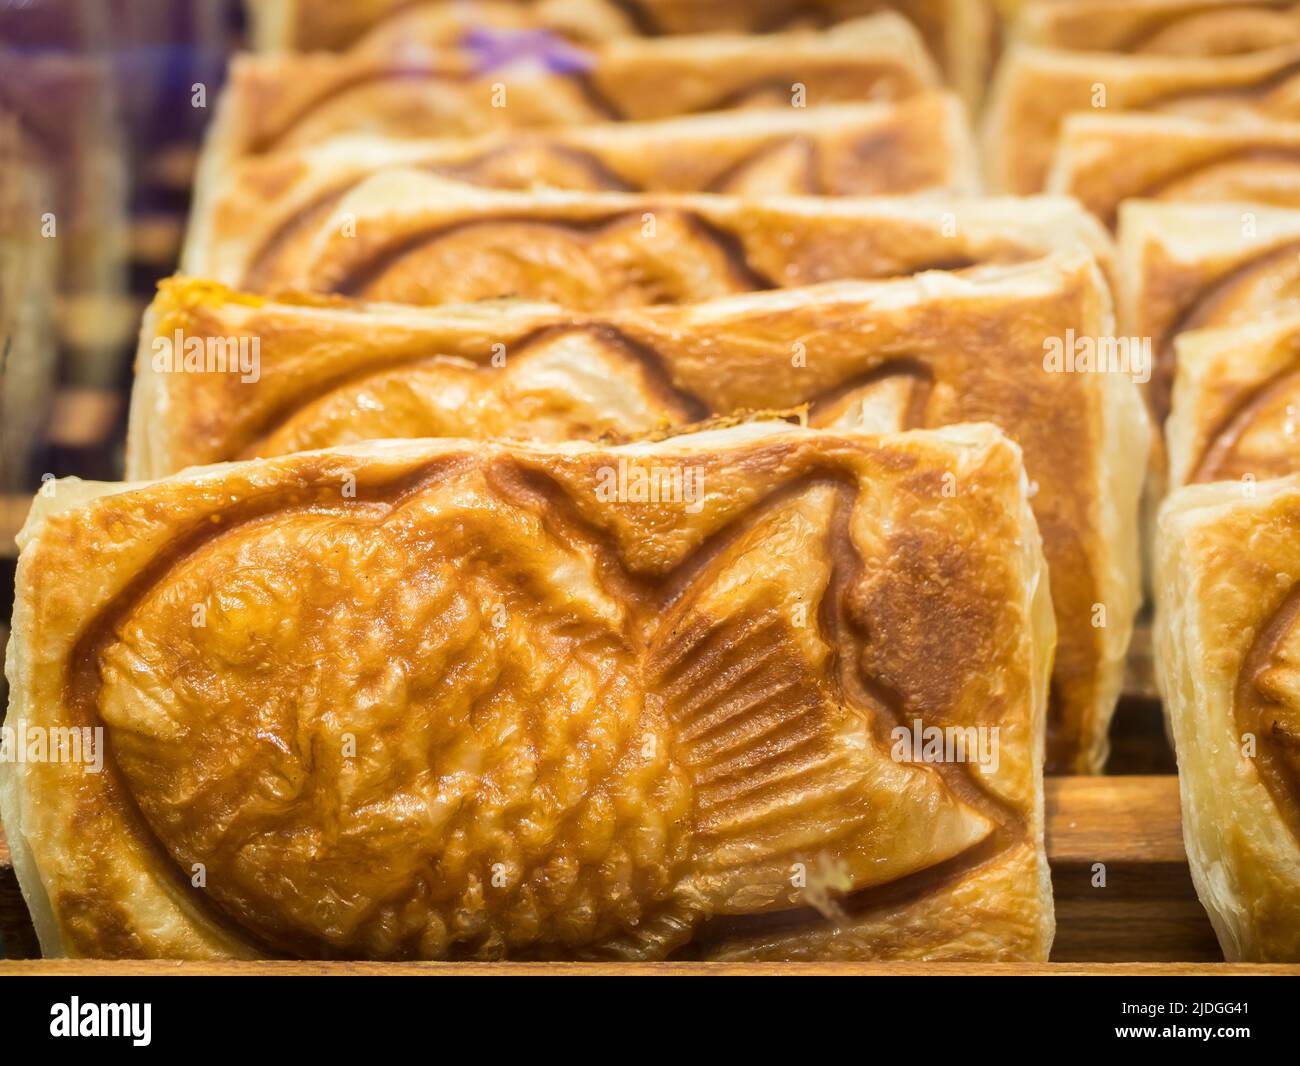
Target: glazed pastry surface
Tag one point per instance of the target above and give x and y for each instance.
(1035, 89)
(1106, 159)
(1160, 27)
(923, 352)
(440, 699)
(1226, 638)
(274, 204)
(405, 89)
(959, 33)
(1202, 266)
(407, 236)
(1235, 403)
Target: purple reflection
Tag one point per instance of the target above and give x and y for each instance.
(494, 49)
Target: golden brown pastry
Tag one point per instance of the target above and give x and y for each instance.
(1105, 159)
(929, 351)
(1160, 27)
(1196, 266)
(275, 203)
(275, 101)
(958, 32)
(1226, 643)
(442, 699)
(1036, 88)
(1236, 403)
(406, 236)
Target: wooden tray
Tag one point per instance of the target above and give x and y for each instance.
(1145, 920)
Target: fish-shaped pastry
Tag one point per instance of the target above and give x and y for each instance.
(1227, 642)
(1036, 88)
(1188, 266)
(406, 88)
(270, 207)
(1103, 160)
(757, 690)
(958, 33)
(404, 235)
(226, 375)
(1235, 398)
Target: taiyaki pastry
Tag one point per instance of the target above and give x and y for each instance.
(448, 699)
(407, 236)
(273, 101)
(227, 375)
(1035, 89)
(959, 33)
(1159, 27)
(276, 202)
(1225, 635)
(1235, 403)
(1103, 160)
(1198, 266)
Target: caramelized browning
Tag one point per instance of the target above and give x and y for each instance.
(868, 361)
(396, 89)
(1107, 159)
(1260, 283)
(1260, 439)
(408, 236)
(272, 207)
(1204, 267)
(1267, 706)
(852, 354)
(1227, 645)
(626, 261)
(1159, 28)
(1039, 87)
(421, 240)
(440, 701)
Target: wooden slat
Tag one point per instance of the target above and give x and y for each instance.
(1114, 820)
(1119, 872)
(171, 968)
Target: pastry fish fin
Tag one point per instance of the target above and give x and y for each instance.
(786, 777)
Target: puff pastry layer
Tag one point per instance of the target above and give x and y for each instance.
(1036, 88)
(1226, 631)
(1106, 159)
(928, 351)
(1197, 266)
(275, 203)
(406, 236)
(958, 32)
(1235, 403)
(422, 699)
(276, 101)
(1160, 27)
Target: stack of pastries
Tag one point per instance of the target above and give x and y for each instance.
(601, 487)
(1177, 124)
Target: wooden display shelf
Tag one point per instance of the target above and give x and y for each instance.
(1145, 920)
